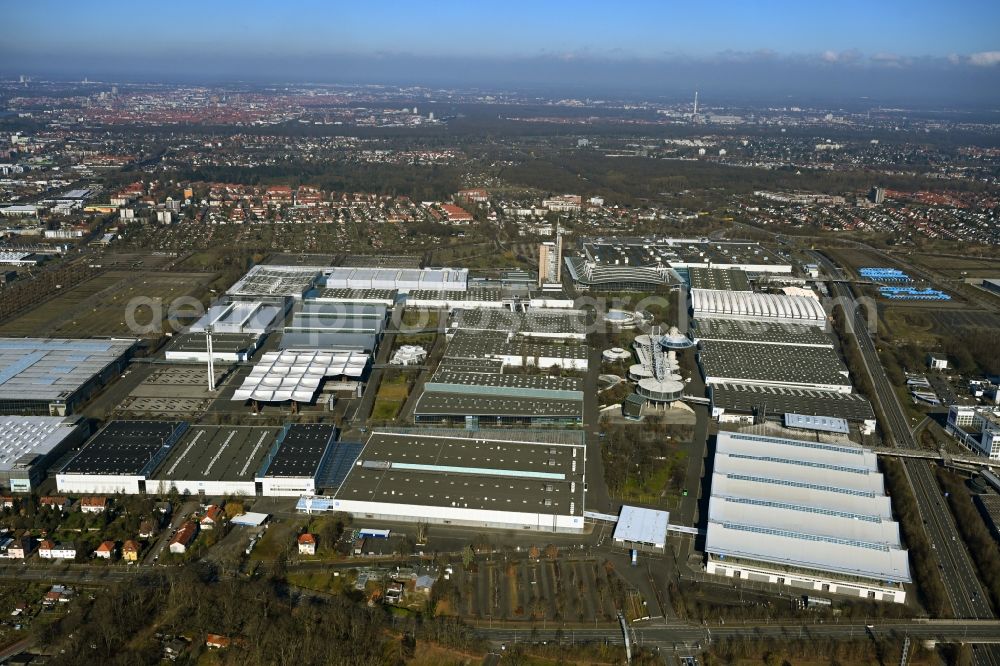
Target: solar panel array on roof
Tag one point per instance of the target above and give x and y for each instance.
(447, 404)
(344, 295)
(338, 464)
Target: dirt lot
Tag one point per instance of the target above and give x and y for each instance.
(97, 307)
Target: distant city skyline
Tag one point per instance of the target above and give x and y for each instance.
(920, 49)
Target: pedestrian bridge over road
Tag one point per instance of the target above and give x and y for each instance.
(609, 518)
(948, 459)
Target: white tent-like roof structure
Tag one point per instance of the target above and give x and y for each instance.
(295, 374)
(757, 306)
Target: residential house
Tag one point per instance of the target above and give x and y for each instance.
(60, 503)
(479, 195)
(212, 517)
(307, 544)
(106, 550)
(174, 648)
(456, 214)
(217, 641)
(20, 548)
(394, 592)
(424, 584)
(93, 504)
(937, 362)
(47, 550)
(147, 529)
(182, 540)
(58, 594)
(130, 551)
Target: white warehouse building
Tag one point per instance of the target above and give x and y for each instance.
(757, 306)
(490, 479)
(804, 514)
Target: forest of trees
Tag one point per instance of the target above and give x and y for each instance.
(420, 183)
(632, 180)
(923, 563)
(977, 537)
(267, 627)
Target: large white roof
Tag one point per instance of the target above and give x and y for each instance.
(239, 317)
(263, 280)
(721, 303)
(404, 280)
(22, 435)
(803, 504)
(295, 374)
(638, 525)
(53, 369)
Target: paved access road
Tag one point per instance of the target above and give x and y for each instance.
(691, 636)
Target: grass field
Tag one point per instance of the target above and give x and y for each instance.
(425, 340)
(98, 306)
(957, 266)
(392, 394)
(852, 259)
(418, 320)
(656, 490)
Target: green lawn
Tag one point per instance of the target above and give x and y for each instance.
(391, 396)
(656, 488)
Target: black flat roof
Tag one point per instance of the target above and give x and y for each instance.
(130, 448)
(302, 450)
(779, 400)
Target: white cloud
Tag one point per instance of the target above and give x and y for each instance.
(985, 58)
(889, 60)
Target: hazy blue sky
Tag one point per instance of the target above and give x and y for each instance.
(926, 47)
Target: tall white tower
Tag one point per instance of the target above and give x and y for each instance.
(695, 112)
(211, 360)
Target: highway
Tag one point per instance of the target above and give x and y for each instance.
(965, 593)
(691, 636)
